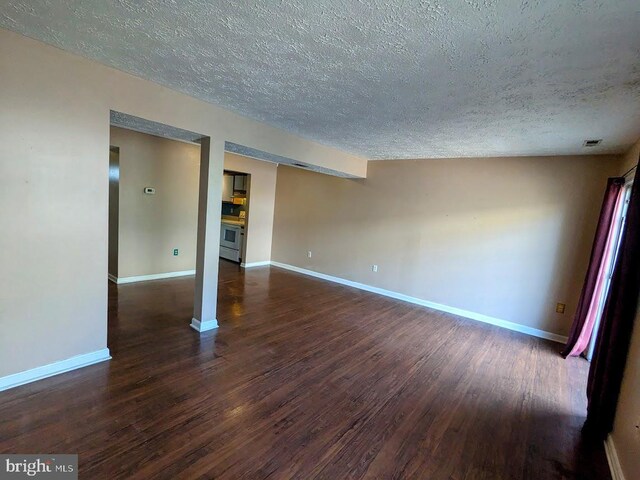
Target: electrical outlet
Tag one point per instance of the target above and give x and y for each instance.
(374, 268)
(309, 254)
(175, 252)
(560, 307)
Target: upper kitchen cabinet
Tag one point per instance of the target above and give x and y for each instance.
(240, 183)
(227, 187)
(234, 187)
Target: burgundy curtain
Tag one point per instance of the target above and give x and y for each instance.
(616, 326)
(614, 185)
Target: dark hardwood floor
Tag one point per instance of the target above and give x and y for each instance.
(306, 379)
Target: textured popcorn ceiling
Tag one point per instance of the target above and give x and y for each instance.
(384, 79)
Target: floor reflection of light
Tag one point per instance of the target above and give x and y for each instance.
(237, 309)
(236, 412)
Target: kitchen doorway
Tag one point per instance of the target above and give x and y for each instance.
(234, 215)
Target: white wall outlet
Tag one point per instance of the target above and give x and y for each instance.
(149, 190)
(309, 253)
(374, 268)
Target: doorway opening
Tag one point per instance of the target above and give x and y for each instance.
(161, 213)
(114, 211)
(153, 209)
(234, 216)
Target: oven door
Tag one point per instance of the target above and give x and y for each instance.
(230, 236)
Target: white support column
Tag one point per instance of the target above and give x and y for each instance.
(208, 247)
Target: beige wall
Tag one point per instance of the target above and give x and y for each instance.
(151, 226)
(502, 237)
(261, 204)
(630, 158)
(54, 185)
(626, 433)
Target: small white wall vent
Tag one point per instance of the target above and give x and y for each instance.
(149, 190)
(592, 143)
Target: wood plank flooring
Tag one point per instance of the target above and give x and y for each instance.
(305, 379)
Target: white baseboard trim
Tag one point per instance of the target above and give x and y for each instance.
(55, 368)
(155, 276)
(425, 303)
(255, 264)
(199, 326)
(612, 458)
(113, 278)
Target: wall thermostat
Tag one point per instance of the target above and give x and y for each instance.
(149, 190)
